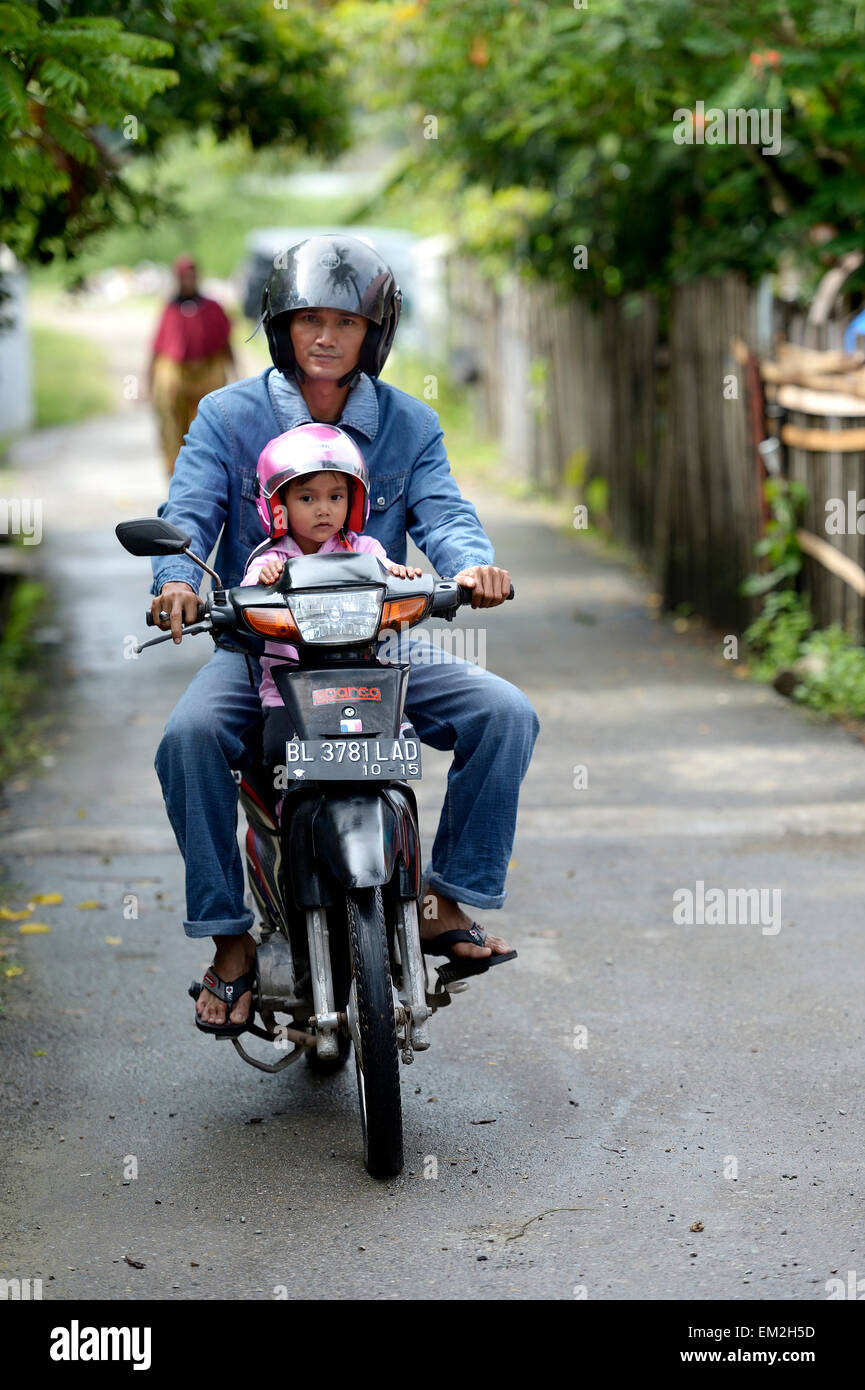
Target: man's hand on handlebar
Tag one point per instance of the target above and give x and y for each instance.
(180, 601)
(491, 585)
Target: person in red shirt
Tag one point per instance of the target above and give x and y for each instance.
(191, 356)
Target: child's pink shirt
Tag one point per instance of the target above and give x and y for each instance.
(286, 548)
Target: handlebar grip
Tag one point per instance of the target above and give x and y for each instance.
(148, 617)
(466, 593)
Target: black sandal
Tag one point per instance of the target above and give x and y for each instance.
(462, 967)
(229, 991)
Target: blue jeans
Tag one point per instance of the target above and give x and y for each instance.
(453, 704)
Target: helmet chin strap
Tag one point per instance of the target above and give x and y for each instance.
(352, 376)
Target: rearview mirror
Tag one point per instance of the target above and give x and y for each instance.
(151, 536)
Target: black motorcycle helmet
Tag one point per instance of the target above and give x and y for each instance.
(332, 272)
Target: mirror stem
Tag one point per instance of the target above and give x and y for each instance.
(205, 567)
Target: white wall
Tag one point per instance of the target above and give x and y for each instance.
(16, 367)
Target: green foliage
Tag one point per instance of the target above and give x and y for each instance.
(271, 69)
(829, 666)
(558, 125)
(220, 190)
(833, 674)
(779, 546)
(86, 87)
(18, 676)
(63, 87)
(774, 640)
(597, 495)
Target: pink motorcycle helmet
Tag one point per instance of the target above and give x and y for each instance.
(310, 449)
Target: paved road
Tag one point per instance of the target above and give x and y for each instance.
(720, 1082)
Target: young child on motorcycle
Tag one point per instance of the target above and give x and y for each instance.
(313, 498)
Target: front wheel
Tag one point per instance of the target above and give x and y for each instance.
(376, 1056)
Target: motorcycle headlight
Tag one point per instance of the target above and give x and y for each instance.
(337, 617)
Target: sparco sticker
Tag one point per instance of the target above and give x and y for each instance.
(333, 693)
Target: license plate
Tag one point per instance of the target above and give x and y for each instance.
(356, 760)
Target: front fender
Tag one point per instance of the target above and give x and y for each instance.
(358, 837)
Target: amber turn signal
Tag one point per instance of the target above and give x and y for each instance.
(403, 610)
(271, 622)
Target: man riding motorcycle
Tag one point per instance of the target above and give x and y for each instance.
(330, 313)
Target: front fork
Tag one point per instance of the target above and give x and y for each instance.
(326, 1019)
(411, 1011)
(415, 1033)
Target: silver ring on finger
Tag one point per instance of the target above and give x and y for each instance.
(163, 616)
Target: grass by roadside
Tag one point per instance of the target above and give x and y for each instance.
(20, 678)
(70, 378)
(22, 673)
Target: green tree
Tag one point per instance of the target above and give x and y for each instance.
(63, 87)
(272, 69)
(557, 123)
(85, 87)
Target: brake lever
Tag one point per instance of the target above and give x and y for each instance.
(191, 631)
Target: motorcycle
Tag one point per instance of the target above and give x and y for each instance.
(332, 846)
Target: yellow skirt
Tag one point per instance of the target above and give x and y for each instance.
(177, 389)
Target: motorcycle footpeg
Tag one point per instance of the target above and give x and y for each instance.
(446, 980)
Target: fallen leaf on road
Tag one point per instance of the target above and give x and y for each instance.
(33, 928)
(88, 903)
(482, 1122)
(12, 970)
(114, 940)
(51, 899)
(40, 1053)
(7, 914)
(696, 1226)
(136, 1264)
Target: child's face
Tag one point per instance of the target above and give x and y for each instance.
(315, 508)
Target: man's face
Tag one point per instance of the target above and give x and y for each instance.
(326, 342)
(187, 281)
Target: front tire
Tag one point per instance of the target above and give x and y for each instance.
(377, 1059)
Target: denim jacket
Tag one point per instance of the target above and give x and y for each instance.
(411, 486)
